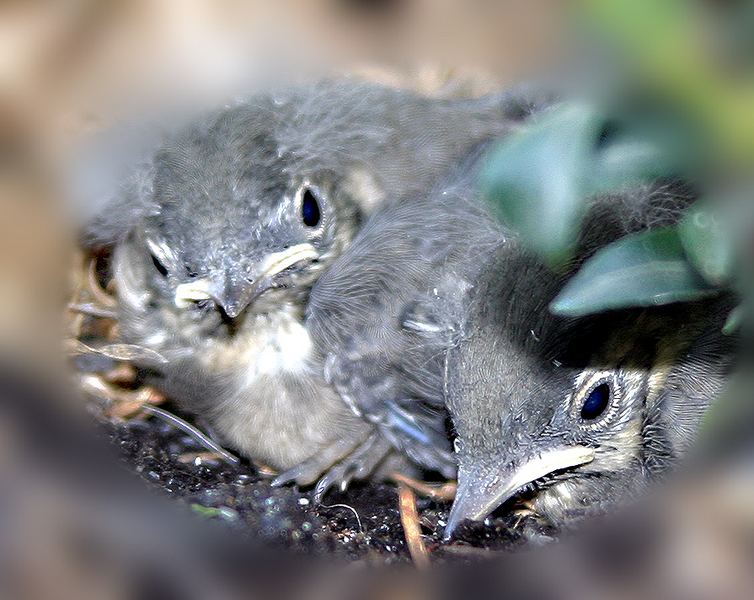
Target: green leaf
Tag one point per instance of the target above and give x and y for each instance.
(708, 243)
(210, 512)
(642, 149)
(541, 178)
(206, 511)
(643, 269)
(628, 160)
(730, 413)
(537, 179)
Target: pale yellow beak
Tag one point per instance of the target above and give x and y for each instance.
(207, 289)
(479, 493)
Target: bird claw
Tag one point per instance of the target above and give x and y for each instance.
(358, 465)
(358, 462)
(335, 475)
(308, 471)
(374, 397)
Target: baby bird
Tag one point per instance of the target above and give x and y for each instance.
(221, 235)
(436, 304)
(577, 415)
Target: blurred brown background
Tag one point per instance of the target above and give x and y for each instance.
(72, 67)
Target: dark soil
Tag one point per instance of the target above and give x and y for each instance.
(362, 523)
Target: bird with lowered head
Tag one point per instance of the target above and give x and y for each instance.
(437, 302)
(577, 415)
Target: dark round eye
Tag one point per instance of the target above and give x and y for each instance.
(310, 208)
(161, 269)
(596, 402)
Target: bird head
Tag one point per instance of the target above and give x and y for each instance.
(574, 415)
(233, 224)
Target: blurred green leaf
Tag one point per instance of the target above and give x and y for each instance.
(643, 269)
(730, 414)
(639, 148)
(667, 46)
(627, 160)
(540, 179)
(536, 179)
(708, 243)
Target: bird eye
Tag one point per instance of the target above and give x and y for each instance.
(161, 269)
(310, 212)
(596, 402)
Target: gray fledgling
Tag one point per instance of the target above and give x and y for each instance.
(223, 232)
(577, 415)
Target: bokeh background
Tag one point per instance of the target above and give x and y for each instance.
(71, 525)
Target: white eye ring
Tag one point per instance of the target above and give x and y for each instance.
(604, 404)
(309, 204)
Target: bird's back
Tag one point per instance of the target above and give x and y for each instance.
(385, 312)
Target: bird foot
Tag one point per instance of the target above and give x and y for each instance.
(307, 472)
(358, 461)
(358, 465)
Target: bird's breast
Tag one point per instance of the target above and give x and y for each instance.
(267, 346)
(275, 408)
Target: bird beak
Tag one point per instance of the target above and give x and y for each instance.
(481, 492)
(194, 291)
(275, 263)
(234, 296)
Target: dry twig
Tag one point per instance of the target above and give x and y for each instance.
(93, 310)
(411, 527)
(100, 296)
(122, 403)
(444, 492)
(186, 427)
